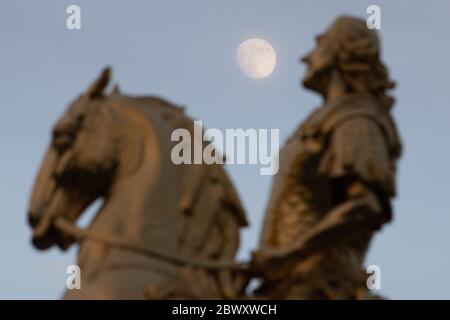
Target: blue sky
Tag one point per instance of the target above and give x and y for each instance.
(185, 51)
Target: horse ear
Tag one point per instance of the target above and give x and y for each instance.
(97, 87)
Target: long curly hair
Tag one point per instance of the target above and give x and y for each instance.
(357, 59)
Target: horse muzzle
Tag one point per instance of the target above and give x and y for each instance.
(42, 231)
(41, 197)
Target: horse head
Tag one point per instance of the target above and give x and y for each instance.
(118, 148)
(77, 167)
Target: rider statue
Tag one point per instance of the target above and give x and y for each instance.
(337, 174)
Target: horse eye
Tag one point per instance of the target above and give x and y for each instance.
(64, 135)
(63, 140)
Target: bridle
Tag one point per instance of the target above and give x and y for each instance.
(83, 234)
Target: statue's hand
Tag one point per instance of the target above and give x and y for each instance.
(259, 260)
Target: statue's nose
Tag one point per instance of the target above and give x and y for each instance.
(304, 59)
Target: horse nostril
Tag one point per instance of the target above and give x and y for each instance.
(33, 219)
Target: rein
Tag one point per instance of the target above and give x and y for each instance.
(82, 234)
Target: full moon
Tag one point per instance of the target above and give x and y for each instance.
(256, 58)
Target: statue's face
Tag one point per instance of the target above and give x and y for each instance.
(319, 62)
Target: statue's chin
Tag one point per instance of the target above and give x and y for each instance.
(309, 81)
(316, 80)
(306, 82)
(311, 84)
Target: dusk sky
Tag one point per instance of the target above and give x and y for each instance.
(185, 51)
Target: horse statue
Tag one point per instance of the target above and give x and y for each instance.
(163, 230)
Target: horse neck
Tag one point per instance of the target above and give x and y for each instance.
(142, 205)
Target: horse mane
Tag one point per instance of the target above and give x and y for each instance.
(170, 113)
(211, 211)
(175, 117)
